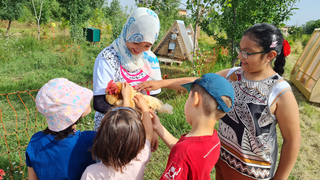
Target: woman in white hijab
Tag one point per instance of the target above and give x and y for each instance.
(128, 59)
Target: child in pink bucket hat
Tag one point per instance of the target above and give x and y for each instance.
(60, 151)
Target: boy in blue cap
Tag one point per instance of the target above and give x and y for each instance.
(196, 153)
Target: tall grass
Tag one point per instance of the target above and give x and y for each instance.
(28, 63)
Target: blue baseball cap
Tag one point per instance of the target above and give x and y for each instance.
(216, 86)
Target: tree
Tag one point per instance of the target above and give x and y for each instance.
(55, 10)
(97, 18)
(296, 31)
(38, 17)
(199, 9)
(167, 11)
(79, 13)
(117, 15)
(10, 10)
(237, 15)
(311, 25)
(97, 4)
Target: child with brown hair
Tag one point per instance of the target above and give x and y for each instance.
(123, 141)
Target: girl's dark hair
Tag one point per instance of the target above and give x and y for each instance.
(120, 138)
(263, 34)
(61, 134)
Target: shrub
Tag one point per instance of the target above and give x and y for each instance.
(304, 39)
(297, 47)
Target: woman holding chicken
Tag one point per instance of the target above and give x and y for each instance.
(127, 59)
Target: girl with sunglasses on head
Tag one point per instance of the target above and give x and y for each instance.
(263, 99)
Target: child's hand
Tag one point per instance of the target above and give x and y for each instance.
(156, 124)
(141, 103)
(148, 86)
(154, 142)
(125, 91)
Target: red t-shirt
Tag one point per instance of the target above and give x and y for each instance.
(193, 158)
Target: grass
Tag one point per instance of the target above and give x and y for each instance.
(308, 161)
(27, 64)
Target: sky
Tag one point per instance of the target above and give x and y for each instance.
(308, 10)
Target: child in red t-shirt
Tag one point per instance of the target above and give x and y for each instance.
(196, 153)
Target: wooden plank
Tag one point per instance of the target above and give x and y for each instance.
(167, 61)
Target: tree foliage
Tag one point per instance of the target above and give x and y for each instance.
(10, 10)
(97, 18)
(200, 9)
(117, 16)
(42, 7)
(296, 31)
(79, 14)
(311, 25)
(167, 11)
(236, 16)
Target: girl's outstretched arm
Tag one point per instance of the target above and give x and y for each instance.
(167, 83)
(287, 114)
(172, 83)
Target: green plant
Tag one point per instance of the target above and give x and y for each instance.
(235, 16)
(200, 61)
(97, 19)
(10, 10)
(26, 15)
(79, 14)
(38, 63)
(71, 55)
(304, 39)
(64, 24)
(297, 47)
(45, 30)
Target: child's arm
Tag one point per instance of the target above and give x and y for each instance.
(172, 83)
(32, 175)
(126, 93)
(146, 120)
(155, 142)
(163, 133)
(167, 83)
(287, 114)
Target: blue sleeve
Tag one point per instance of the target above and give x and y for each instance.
(28, 159)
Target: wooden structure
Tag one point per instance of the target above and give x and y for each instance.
(177, 42)
(305, 74)
(170, 62)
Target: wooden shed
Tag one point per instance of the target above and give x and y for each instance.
(305, 74)
(177, 43)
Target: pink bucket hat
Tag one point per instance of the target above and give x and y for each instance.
(62, 102)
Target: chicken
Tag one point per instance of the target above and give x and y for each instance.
(165, 76)
(114, 97)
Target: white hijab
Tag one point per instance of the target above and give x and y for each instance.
(142, 25)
